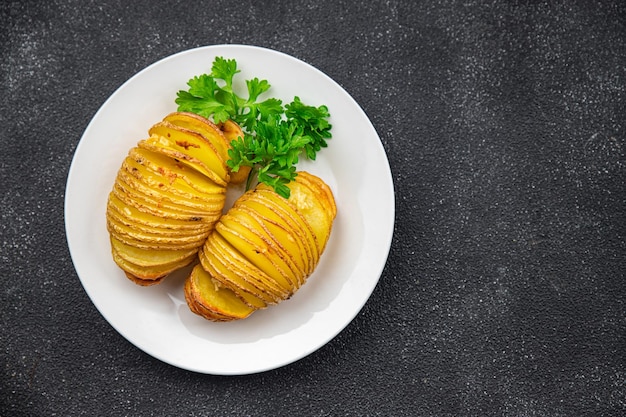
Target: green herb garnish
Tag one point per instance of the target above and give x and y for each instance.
(274, 135)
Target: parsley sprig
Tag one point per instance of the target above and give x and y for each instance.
(274, 135)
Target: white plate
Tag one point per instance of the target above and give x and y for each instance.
(156, 319)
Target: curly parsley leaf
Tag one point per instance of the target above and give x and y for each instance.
(224, 69)
(314, 120)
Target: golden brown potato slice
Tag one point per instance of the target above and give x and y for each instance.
(232, 131)
(132, 216)
(132, 193)
(129, 234)
(231, 269)
(284, 229)
(194, 145)
(176, 191)
(248, 293)
(142, 281)
(203, 126)
(226, 133)
(166, 199)
(149, 272)
(115, 217)
(289, 211)
(144, 203)
(206, 298)
(145, 244)
(247, 275)
(161, 145)
(314, 201)
(143, 257)
(255, 251)
(278, 249)
(320, 190)
(176, 172)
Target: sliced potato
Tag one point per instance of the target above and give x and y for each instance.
(143, 257)
(176, 172)
(280, 205)
(150, 272)
(320, 190)
(265, 245)
(177, 191)
(248, 273)
(129, 234)
(169, 192)
(166, 199)
(114, 216)
(206, 298)
(273, 248)
(241, 276)
(146, 204)
(152, 245)
(220, 135)
(193, 144)
(313, 200)
(143, 281)
(284, 229)
(249, 294)
(255, 251)
(118, 208)
(203, 126)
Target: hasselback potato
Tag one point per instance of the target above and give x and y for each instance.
(262, 250)
(167, 196)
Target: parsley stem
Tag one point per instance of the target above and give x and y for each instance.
(251, 177)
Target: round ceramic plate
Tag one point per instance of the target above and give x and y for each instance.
(156, 319)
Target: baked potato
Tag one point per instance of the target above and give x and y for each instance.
(262, 250)
(167, 196)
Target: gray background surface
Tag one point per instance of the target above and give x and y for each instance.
(504, 124)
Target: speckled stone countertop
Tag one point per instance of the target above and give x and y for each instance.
(504, 123)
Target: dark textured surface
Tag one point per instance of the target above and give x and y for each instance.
(505, 127)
